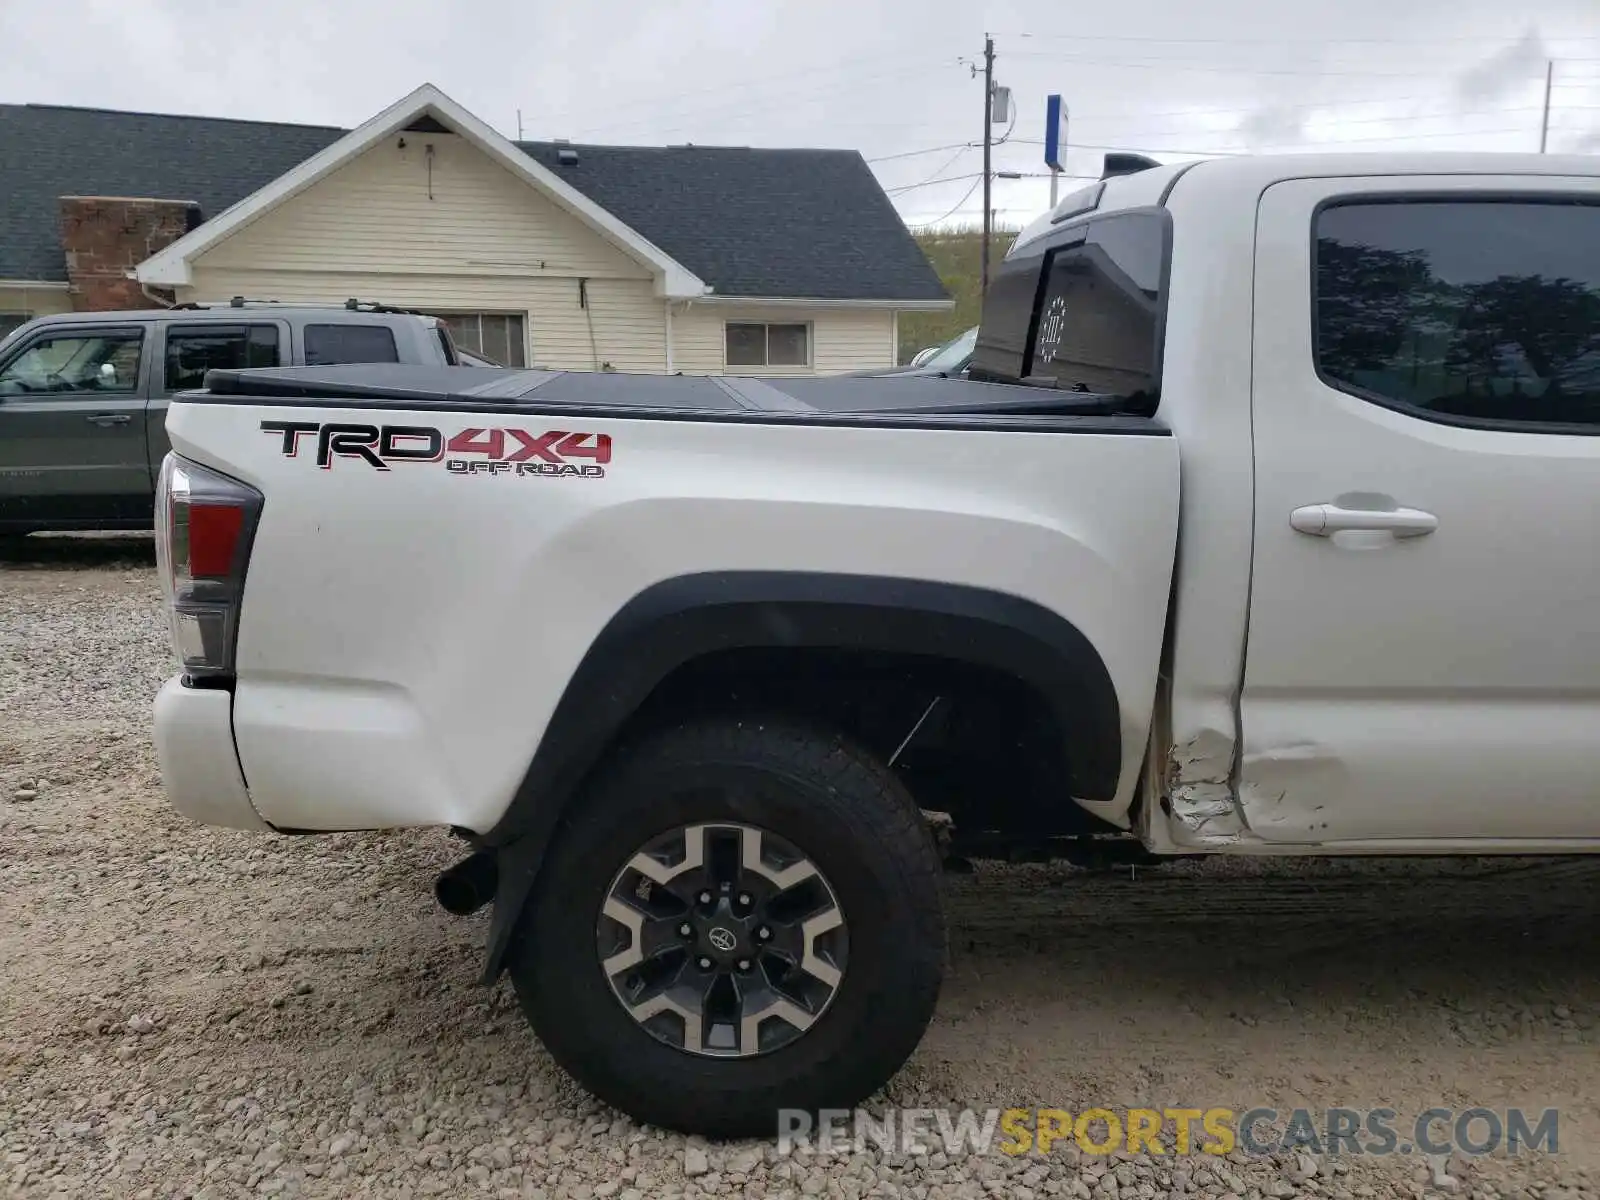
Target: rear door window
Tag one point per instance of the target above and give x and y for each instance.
(1471, 310)
(192, 350)
(327, 345)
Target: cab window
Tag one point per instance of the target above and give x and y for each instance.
(99, 361)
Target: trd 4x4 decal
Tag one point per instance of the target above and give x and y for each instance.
(472, 451)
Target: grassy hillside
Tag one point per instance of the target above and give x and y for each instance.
(956, 254)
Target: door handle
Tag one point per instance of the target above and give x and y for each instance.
(1325, 520)
(108, 418)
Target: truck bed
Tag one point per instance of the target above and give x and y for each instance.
(918, 401)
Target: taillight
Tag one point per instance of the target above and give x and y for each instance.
(204, 525)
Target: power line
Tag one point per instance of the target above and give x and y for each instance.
(920, 153)
(1308, 106)
(946, 216)
(911, 187)
(1305, 147)
(1426, 41)
(1170, 65)
(938, 171)
(1402, 116)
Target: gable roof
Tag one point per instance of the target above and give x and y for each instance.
(811, 224)
(782, 224)
(428, 105)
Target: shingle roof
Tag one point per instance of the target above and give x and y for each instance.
(48, 152)
(812, 223)
(750, 222)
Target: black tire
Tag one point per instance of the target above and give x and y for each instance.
(841, 808)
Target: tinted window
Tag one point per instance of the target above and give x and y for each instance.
(1001, 348)
(1081, 310)
(196, 349)
(77, 362)
(1099, 319)
(330, 344)
(1479, 309)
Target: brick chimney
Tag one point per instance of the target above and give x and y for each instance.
(105, 237)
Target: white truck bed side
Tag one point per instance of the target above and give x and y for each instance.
(406, 634)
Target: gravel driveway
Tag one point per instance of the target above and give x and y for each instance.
(191, 1012)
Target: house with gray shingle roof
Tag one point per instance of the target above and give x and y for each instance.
(680, 258)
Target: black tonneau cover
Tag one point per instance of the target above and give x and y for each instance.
(842, 398)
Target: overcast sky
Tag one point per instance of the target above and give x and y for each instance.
(1170, 76)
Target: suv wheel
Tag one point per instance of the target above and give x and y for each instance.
(737, 917)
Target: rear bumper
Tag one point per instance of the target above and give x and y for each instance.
(199, 765)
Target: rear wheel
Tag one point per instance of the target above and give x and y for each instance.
(737, 917)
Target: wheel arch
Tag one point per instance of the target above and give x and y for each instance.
(674, 624)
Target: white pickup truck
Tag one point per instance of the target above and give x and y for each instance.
(1265, 524)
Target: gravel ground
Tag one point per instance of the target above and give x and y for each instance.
(193, 1012)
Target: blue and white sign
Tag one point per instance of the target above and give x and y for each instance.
(1052, 132)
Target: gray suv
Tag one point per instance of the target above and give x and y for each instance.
(83, 396)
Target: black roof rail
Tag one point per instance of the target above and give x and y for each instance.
(350, 305)
(1122, 163)
(355, 305)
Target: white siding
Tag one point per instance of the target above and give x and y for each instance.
(842, 339)
(629, 330)
(35, 302)
(485, 242)
(386, 212)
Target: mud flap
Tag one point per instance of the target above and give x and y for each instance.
(518, 865)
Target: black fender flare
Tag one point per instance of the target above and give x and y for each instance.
(682, 619)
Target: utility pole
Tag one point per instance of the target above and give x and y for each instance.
(1544, 123)
(988, 126)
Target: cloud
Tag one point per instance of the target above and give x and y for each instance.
(1504, 73)
(1273, 127)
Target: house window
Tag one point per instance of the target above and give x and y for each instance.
(762, 345)
(497, 336)
(10, 322)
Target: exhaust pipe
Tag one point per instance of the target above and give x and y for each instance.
(469, 885)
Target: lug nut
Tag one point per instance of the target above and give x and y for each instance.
(685, 930)
(705, 897)
(744, 899)
(763, 933)
(744, 964)
(705, 964)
